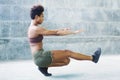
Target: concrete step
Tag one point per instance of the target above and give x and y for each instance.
(19, 28)
(99, 18)
(18, 48)
(63, 15)
(19, 2)
(65, 3)
(81, 4)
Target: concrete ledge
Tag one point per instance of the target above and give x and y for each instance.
(18, 48)
(19, 28)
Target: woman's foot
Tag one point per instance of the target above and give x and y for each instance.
(96, 55)
(44, 71)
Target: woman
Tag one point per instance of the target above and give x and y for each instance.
(44, 59)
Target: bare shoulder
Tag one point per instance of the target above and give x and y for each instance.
(35, 28)
(40, 29)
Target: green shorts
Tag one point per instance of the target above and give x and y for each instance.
(43, 58)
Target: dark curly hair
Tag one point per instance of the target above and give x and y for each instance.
(36, 10)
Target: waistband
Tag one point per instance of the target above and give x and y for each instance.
(38, 52)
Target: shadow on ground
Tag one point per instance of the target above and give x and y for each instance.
(66, 76)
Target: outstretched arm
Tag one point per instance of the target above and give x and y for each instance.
(59, 32)
(67, 31)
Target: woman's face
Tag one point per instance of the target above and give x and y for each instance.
(40, 18)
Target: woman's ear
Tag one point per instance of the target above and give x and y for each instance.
(36, 16)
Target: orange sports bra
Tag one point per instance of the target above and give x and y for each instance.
(36, 39)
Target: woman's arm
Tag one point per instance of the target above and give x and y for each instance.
(46, 32)
(60, 32)
(67, 31)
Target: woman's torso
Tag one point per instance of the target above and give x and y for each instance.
(35, 39)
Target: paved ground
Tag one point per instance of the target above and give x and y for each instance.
(108, 68)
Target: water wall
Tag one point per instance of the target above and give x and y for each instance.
(100, 20)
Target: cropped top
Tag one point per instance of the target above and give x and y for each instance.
(36, 39)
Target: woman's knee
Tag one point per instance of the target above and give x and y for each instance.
(67, 61)
(68, 53)
(61, 54)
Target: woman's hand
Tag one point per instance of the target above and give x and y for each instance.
(78, 31)
(67, 31)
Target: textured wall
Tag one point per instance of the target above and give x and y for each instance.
(99, 18)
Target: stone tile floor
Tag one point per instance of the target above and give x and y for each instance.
(108, 68)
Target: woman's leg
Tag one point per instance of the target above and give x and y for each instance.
(58, 62)
(61, 62)
(61, 57)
